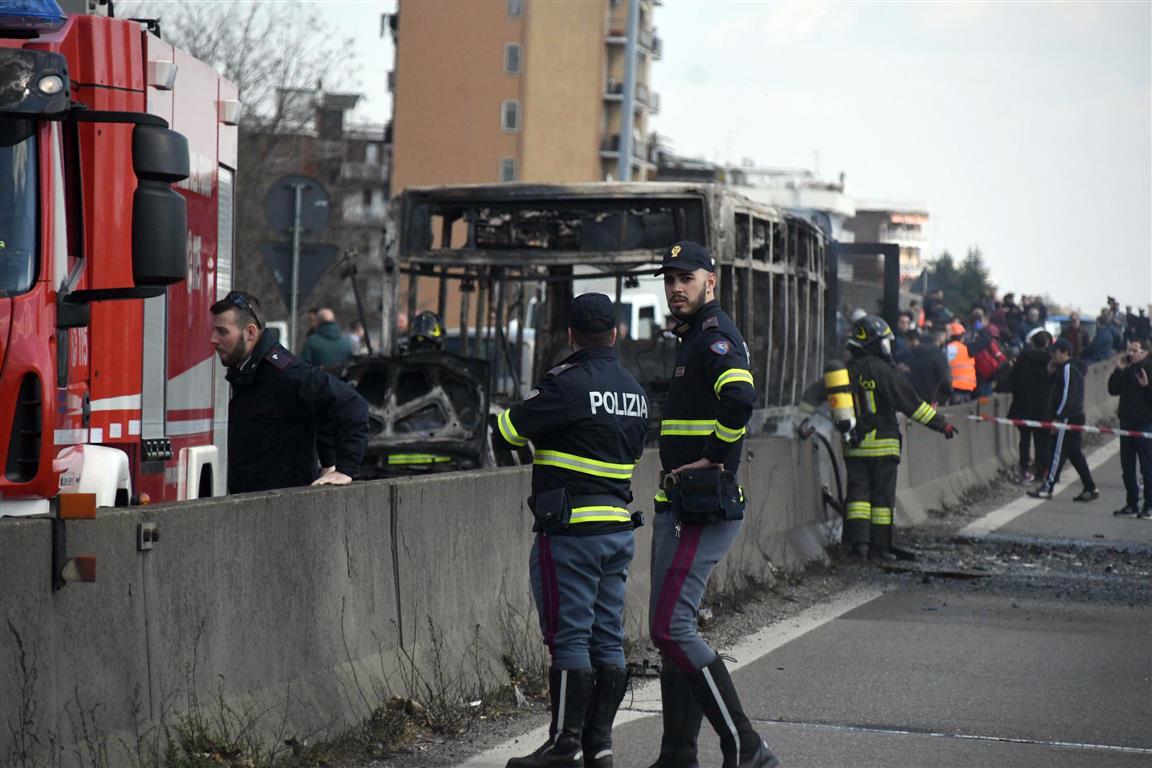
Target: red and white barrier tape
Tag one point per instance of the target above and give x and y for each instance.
(1058, 425)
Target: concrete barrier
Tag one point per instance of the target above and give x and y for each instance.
(306, 607)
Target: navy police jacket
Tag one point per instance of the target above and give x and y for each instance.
(712, 393)
(586, 420)
(286, 419)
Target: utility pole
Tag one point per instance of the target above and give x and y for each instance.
(627, 104)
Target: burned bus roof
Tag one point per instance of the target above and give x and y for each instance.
(529, 192)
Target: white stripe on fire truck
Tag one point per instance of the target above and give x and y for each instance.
(189, 427)
(70, 436)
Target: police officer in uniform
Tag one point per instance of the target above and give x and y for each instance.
(699, 510)
(586, 420)
(872, 448)
(289, 424)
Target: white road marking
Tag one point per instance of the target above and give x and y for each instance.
(645, 698)
(1000, 517)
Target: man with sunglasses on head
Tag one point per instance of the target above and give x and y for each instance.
(289, 424)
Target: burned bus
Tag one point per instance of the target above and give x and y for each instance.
(500, 263)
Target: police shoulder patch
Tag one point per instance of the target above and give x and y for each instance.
(531, 394)
(560, 369)
(721, 347)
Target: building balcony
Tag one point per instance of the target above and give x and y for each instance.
(645, 99)
(648, 42)
(642, 153)
(363, 172)
(374, 215)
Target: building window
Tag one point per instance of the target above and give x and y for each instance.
(515, 7)
(366, 198)
(507, 169)
(510, 116)
(372, 154)
(512, 58)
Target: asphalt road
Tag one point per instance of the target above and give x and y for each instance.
(1043, 667)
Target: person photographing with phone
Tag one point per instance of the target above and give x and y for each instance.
(1131, 381)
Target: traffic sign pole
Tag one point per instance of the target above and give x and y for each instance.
(298, 195)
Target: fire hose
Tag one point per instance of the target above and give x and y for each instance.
(1061, 425)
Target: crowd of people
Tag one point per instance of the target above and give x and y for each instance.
(1017, 347)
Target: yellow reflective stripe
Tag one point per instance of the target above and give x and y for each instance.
(417, 458)
(600, 515)
(729, 435)
(732, 376)
(507, 431)
(660, 496)
(924, 414)
(871, 397)
(871, 453)
(859, 510)
(688, 427)
(585, 465)
(881, 515)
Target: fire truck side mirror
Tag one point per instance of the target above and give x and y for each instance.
(159, 213)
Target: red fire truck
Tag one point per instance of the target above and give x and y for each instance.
(117, 166)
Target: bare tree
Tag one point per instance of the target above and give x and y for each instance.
(279, 54)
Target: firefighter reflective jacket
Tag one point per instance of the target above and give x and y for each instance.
(586, 420)
(880, 392)
(711, 395)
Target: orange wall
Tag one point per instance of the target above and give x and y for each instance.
(450, 83)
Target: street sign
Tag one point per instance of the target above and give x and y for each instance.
(279, 205)
(315, 258)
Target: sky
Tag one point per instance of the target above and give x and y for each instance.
(1025, 127)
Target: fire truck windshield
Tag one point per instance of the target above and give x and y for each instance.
(18, 206)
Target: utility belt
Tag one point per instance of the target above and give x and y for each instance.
(700, 496)
(554, 511)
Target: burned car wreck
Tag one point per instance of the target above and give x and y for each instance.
(427, 412)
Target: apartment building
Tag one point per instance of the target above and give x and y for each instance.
(517, 90)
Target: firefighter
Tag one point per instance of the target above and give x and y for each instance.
(289, 423)
(586, 419)
(427, 332)
(872, 447)
(699, 510)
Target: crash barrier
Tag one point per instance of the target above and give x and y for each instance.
(302, 611)
(935, 472)
(310, 607)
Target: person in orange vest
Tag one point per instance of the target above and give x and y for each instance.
(962, 363)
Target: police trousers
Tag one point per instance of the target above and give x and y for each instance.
(682, 561)
(871, 499)
(578, 583)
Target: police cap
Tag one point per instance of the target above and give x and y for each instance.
(687, 256)
(592, 313)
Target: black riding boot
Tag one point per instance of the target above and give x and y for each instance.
(682, 717)
(611, 683)
(571, 691)
(742, 747)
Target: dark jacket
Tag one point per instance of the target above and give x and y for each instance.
(286, 419)
(1077, 337)
(1066, 393)
(711, 395)
(1102, 346)
(586, 419)
(327, 346)
(880, 392)
(1135, 408)
(1029, 385)
(929, 373)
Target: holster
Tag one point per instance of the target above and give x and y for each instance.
(551, 510)
(699, 496)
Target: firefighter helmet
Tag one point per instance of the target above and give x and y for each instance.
(871, 334)
(427, 331)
